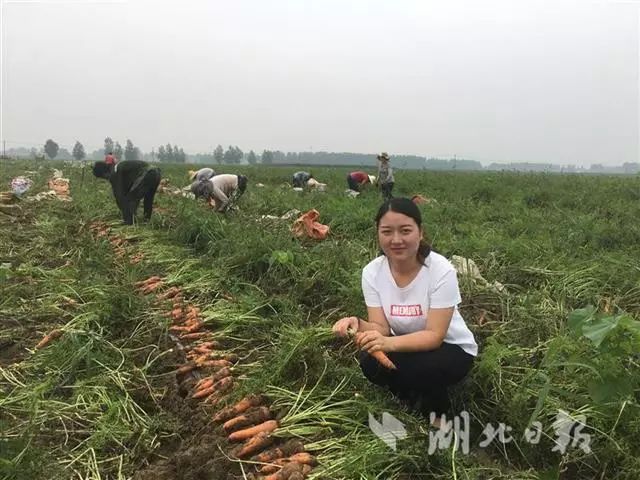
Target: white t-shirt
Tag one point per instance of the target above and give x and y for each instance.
(435, 286)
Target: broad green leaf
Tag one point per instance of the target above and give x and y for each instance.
(609, 389)
(578, 317)
(598, 330)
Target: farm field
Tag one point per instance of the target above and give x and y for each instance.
(111, 396)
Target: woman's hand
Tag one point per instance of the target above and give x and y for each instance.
(373, 341)
(341, 327)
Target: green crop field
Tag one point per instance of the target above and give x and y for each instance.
(103, 400)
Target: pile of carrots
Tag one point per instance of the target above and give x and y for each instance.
(99, 229)
(249, 422)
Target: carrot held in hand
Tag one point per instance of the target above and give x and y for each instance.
(265, 427)
(379, 355)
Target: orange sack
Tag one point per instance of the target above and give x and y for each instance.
(307, 225)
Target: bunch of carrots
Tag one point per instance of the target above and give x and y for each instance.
(99, 229)
(251, 422)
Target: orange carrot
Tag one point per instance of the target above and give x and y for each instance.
(251, 417)
(383, 360)
(254, 445)
(151, 288)
(267, 427)
(303, 458)
(204, 392)
(170, 293)
(186, 368)
(204, 383)
(242, 406)
(379, 355)
(50, 337)
(290, 447)
(195, 335)
(148, 280)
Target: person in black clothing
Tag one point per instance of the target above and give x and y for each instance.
(131, 181)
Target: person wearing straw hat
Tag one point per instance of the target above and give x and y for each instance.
(385, 176)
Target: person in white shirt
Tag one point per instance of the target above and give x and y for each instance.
(412, 297)
(221, 191)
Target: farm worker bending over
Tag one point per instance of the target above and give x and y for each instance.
(109, 159)
(223, 190)
(385, 175)
(202, 174)
(411, 295)
(300, 179)
(356, 180)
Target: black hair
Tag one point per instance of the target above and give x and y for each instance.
(102, 169)
(406, 207)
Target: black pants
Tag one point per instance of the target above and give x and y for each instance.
(421, 376)
(386, 189)
(144, 188)
(353, 184)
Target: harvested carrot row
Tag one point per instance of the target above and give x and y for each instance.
(50, 337)
(251, 417)
(254, 445)
(267, 427)
(240, 407)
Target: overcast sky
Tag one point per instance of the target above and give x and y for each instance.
(542, 81)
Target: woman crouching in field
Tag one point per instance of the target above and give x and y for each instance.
(411, 295)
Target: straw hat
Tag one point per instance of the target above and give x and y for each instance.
(384, 156)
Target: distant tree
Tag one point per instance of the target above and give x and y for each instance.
(169, 150)
(78, 151)
(233, 155)
(108, 145)
(162, 154)
(117, 151)
(130, 151)
(267, 157)
(138, 155)
(181, 157)
(218, 154)
(251, 158)
(51, 149)
(238, 154)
